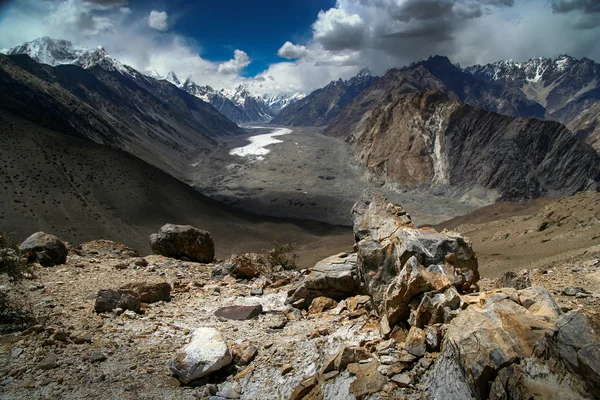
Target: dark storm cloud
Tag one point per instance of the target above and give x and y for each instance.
(565, 6)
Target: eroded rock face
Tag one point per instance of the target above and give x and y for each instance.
(45, 248)
(205, 354)
(335, 277)
(183, 241)
(399, 263)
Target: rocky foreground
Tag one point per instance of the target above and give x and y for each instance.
(405, 316)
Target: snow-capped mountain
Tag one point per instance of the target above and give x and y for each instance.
(277, 102)
(239, 105)
(55, 52)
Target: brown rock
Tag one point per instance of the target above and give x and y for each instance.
(150, 292)
(368, 379)
(513, 280)
(415, 342)
(304, 388)
(239, 313)
(48, 363)
(243, 354)
(286, 368)
(109, 299)
(346, 355)
(320, 304)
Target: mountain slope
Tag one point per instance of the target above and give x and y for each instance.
(427, 139)
(436, 73)
(568, 88)
(323, 105)
(83, 191)
(151, 119)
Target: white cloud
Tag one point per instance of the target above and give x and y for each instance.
(125, 10)
(236, 65)
(336, 29)
(290, 51)
(158, 20)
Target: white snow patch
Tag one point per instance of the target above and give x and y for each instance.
(258, 143)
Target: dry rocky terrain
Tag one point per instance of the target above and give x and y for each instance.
(376, 324)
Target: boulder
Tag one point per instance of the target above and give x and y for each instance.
(45, 248)
(183, 242)
(206, 353)
(416, 342)
(398, 262)
(150, 292)
(239, 313)
(109, 299)
(335, 277)
(243, 353)
(508, 347)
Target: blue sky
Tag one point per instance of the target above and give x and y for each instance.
(223, 26)
(288, 46)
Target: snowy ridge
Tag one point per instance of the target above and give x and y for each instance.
(534, 70)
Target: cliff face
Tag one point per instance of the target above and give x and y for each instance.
(428, 139)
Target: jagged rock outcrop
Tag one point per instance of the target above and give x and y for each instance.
(47, 249)
(183, 241)
(426, 139)
(402, 265)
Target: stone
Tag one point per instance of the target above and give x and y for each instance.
(243, 353)
(183, 241)
(368, 379)
(335, 277)
(481, 341)
(278, 321)
(150, 292)
(304, 388)
(47, 249)
(572, 291)
(415, 342)
(362, 302)
(239, 313)
(286, 368)
(109, 299)
(48, 363)
(538, 301)
(436, 308)
(206, 353)
(244, 268)
(432, 338)
(514, 280)
(345, 356)
(402, 380)
(97, 356)
(256, 292)
(320, 304)
(398, 262)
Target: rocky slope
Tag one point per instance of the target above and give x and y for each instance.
(436, 73)
(228, 323)
(323, 105)
(567, 87)
(151, 119)
(428, 139)
(81, 191)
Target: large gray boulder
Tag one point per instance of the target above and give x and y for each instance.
(335, 277)
(206, 353)
(47, 249)
(183, 242)
(110, 299)
(399, 263)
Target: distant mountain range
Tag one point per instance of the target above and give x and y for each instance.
(323, 105)
(238, 105)
(109, 103)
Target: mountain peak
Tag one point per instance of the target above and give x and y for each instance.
(171, 77)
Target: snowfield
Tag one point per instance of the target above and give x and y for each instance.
(257, 147)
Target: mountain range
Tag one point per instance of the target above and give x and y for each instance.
(323, 105)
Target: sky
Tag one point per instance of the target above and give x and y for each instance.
(276, 46)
